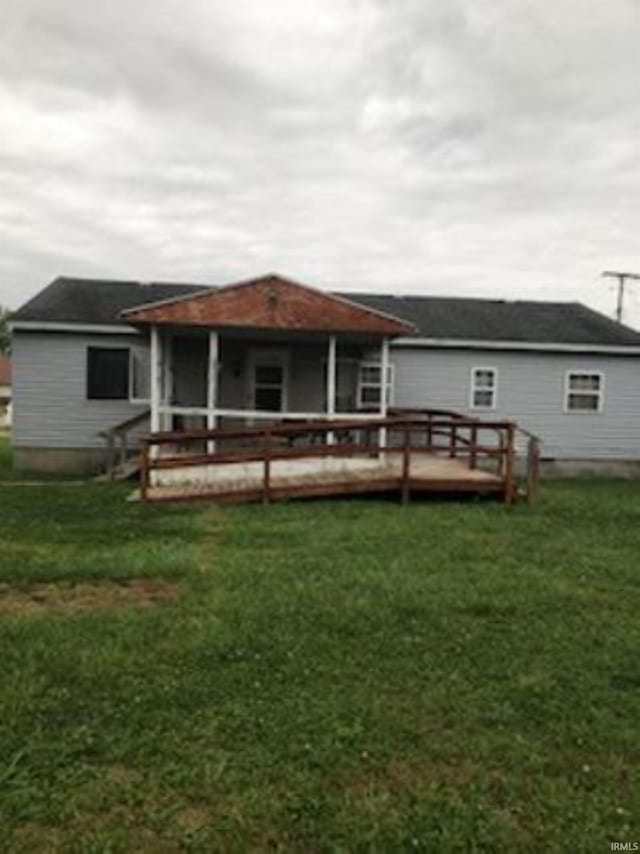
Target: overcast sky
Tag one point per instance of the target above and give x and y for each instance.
(464, 147)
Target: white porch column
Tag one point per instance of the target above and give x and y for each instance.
(384, 370)
(167, 377)
(331, 384)
(156, 378)
(212, 386)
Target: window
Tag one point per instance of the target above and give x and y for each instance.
(140, 376)
(369, 385)
(107, 373)
(484, 388)
(268, 389)
(584, 391)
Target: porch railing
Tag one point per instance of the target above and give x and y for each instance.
(490, 444)
(260, 415)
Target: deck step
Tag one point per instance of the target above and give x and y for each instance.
(124, 471)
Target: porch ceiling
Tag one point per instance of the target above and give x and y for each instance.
(271, 302)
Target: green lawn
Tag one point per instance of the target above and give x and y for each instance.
(335, 676)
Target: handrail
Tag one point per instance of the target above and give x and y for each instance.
(120, 432)
(441, 413)
(283, 430)
(528, 433)
(128, 424)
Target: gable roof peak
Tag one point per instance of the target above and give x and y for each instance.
(272, 302)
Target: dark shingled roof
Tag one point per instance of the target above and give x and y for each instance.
(100, 301)
(95, 301)
(502, 320)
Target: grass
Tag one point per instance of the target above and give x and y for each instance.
(335, 676)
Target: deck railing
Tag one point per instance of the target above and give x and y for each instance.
(487, 444)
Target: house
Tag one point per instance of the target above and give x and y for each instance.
(91, 354)
(5, 392)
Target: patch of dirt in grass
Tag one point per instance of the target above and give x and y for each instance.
(400, 775)
(194, 818)
(122, 775)
(33, 836)
(86, 596)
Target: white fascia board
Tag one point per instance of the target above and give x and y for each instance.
(89, 328)
(471, 344)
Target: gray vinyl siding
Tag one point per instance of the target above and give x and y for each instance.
(51, 409)
(531, 390)
(305, 373)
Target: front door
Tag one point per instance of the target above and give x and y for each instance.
(268, 380)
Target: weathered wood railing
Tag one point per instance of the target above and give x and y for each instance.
(490, 443)
(533, 443)
(118, 435)
(532, 472)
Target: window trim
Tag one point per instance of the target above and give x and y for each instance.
(473, 388)
(568, 391)
(87, 397)
(390, 384)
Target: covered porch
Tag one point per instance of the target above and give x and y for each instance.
(263, 352)
(218, 378)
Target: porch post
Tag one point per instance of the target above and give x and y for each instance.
(156, 378)
(331, 384)
(212, 386)
(167, 374)
(384, 370)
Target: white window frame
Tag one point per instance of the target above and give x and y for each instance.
(391, 375)
(474, 387)
(568, 391)
(132, 385)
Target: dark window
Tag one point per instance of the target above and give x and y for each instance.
(108, 373)
(269, 382)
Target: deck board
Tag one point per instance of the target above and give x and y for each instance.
(232, 483)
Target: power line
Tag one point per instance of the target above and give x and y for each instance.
(622, 280)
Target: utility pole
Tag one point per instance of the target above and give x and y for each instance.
(622, 280)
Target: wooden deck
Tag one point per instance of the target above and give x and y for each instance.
(234, 482)
(408, 454)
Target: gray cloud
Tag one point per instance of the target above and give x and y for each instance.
(458, 146)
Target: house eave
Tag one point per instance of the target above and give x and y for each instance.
(537, 346)
(89, 328)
